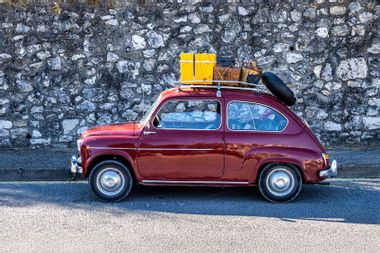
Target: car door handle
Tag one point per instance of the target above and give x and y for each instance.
(149, 132)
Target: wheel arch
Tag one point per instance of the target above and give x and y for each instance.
(307, 161)
(115, 157)
(267, 163)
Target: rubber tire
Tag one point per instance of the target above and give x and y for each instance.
(279, 88)
(283, 199)
(127, 177)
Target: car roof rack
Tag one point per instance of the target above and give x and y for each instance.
(218, 84)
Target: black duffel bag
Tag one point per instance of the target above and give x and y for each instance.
(225, 61)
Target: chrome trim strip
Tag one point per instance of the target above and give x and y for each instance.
(189, 149)
(192, 182)
(148, 132)
(251, 130)
(112, 148)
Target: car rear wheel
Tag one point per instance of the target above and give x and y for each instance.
(280, 182)
(111, 181)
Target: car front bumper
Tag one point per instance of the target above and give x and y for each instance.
(76, 165)
(331, 172)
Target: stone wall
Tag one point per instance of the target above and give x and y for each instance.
(61, 73)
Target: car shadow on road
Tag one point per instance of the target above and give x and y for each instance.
(356, 202)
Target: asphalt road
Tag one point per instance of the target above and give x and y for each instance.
(66, 217)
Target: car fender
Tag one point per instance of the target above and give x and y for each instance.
(127, 155)
(308, 161)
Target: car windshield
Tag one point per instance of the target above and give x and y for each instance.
(150, 110)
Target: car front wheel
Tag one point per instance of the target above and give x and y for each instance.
(111, 181)
(280, 182)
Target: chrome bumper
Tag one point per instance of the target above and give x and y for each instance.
(76, 165)
(331, 172)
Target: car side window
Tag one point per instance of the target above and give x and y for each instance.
(195, 114)
(252, 116)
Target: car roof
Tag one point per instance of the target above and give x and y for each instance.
(249, 95)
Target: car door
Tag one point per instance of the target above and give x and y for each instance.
(183, 141)
(250, 125)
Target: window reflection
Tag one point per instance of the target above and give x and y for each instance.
(189, 114)
(251, 116)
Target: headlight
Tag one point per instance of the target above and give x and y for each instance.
(79, 143)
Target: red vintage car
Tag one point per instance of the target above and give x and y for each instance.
(209, 136)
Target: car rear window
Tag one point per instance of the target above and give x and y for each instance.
(189, 114)
(253, 116)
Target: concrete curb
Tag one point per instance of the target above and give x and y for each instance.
(36, 175)
(34, 165)
(358, 171)
(54, 165)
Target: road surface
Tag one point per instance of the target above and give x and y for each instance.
(66, 217)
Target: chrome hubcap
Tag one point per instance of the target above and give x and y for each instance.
(280, 182)
(110, 181)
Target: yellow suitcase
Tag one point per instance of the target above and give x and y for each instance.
(197, 68)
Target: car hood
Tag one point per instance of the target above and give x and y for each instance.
(113, 129)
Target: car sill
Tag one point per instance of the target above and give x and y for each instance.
(182, 182)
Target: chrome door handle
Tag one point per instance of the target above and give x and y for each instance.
(149, 132)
